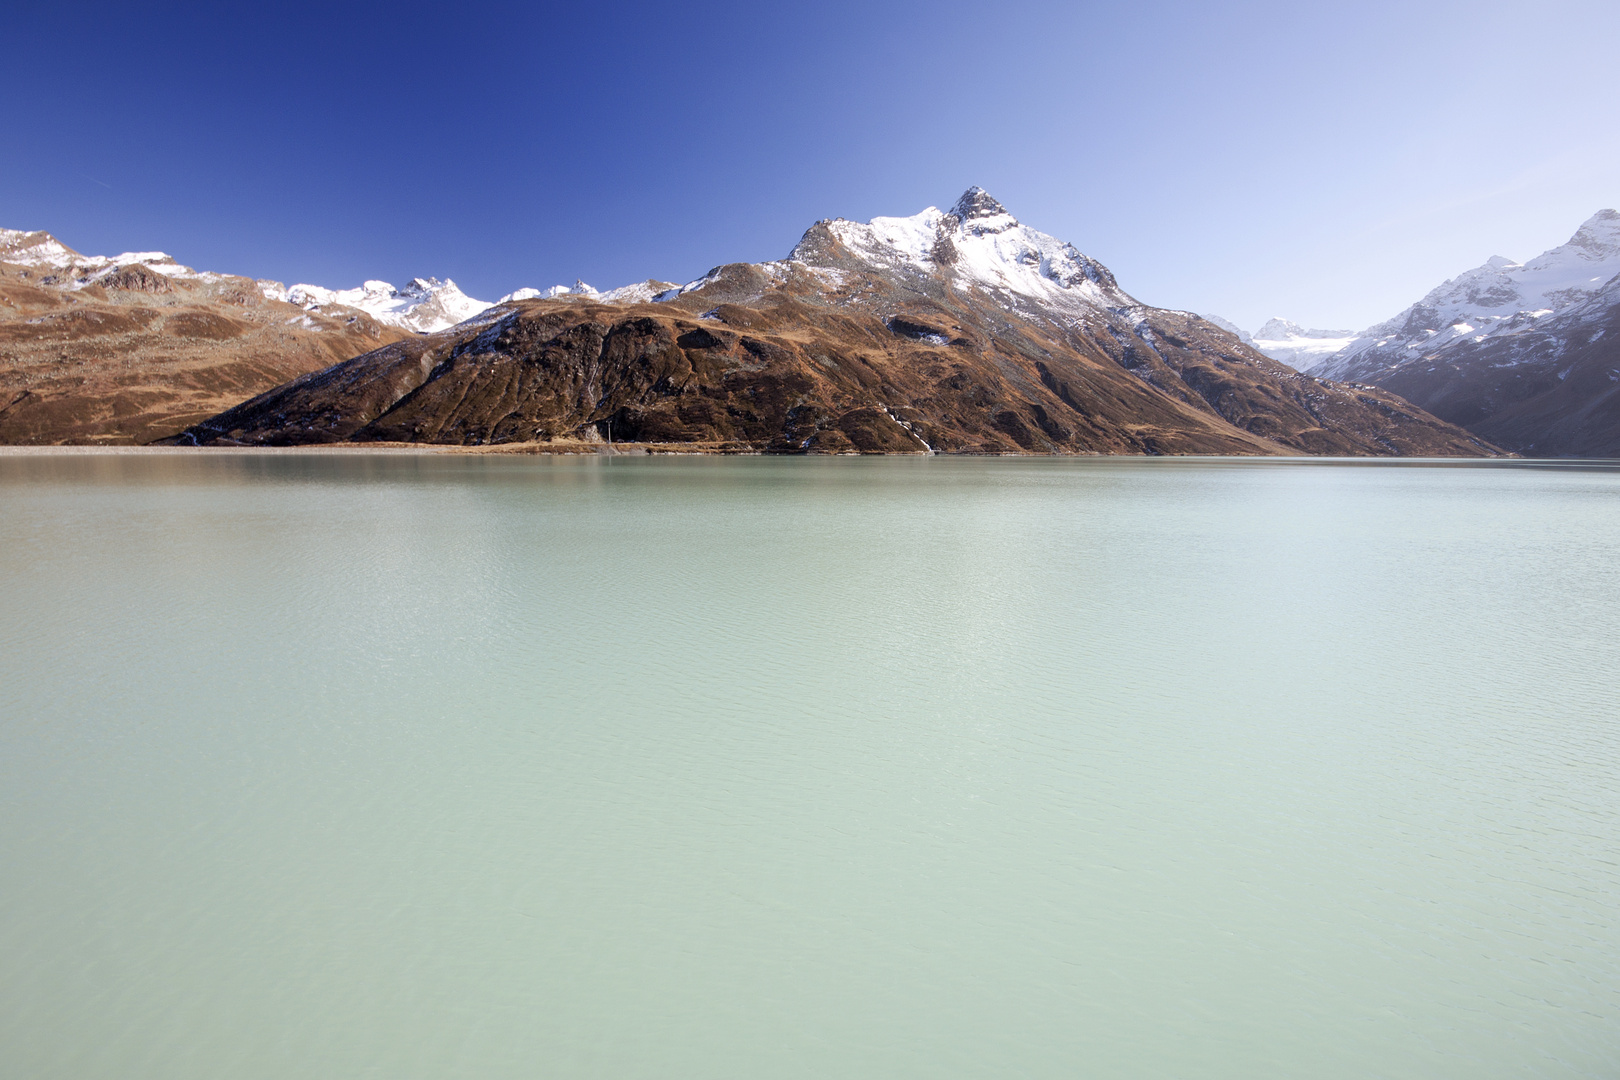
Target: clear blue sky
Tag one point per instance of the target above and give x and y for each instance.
(1329, 162)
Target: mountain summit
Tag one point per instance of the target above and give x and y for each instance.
(977, 247)
(977, 203)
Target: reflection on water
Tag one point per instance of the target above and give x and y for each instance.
(423, 766)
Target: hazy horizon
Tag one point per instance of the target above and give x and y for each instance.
(1251, 161)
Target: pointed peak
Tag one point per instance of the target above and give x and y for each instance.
(977, 203)
(1277, 328)
(1599, 235)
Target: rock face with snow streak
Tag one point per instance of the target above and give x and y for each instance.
(954, 331)
(1523, 354)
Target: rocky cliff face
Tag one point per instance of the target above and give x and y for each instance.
(958, 331)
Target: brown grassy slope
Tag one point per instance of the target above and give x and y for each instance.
(140, 356)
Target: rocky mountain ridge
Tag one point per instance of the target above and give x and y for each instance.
(1547, 389)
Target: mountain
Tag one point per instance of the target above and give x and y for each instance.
(1298, 347)
(134, 347)
(958, 331)
(1289, 342)
(1230, 327)
(1498, 297)
(1518, 353)
(640, 293)
(1549, 388)
(425, 306)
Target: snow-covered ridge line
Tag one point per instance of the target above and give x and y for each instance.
(1499, 298)
(425, 305)
(42, 250)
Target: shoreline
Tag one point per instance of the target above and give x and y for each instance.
(645, 450)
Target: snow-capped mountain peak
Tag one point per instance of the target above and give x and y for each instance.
(24, 248)
(978, 203)
(425, 305)
(1297, 346)
(979, 213)
(1277, 328)
(642, 292)
(979, 245)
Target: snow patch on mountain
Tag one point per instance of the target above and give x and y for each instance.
(642, 292)
(578, 288)
(428, 305)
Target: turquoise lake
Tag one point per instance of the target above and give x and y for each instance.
(427, 766)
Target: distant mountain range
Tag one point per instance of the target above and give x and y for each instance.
(1525, 355)
(424, 305)
(953, 331)
(134, 347)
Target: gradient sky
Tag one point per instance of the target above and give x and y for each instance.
(1330, 163)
